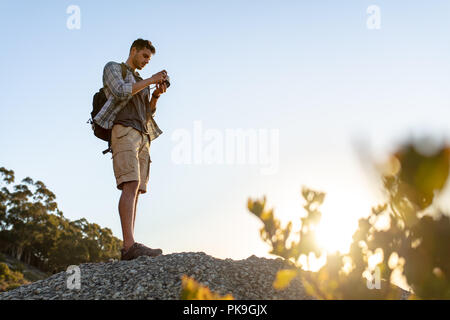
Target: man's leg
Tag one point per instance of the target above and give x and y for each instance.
(144, 170)
(135, 209)
(127, 203)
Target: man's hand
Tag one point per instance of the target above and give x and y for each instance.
(159, 77)
(154, 79)
(160, 89)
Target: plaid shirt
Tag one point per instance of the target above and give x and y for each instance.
(118, 94)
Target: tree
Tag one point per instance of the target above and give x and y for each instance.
(34, 230)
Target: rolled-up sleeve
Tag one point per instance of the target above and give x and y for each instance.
(112, 77)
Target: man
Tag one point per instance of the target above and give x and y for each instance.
(129, 111)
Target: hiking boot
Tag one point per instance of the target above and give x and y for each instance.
(137, 250)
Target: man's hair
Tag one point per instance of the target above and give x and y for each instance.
(140, 44)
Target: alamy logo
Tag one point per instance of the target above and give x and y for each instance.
(234, 146)
(374, 20)
(74, 20)
(74, 278)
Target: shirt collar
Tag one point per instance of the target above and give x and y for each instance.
(135, 72)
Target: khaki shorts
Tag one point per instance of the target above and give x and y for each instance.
(131, 156)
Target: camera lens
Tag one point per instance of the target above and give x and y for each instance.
(167, 81)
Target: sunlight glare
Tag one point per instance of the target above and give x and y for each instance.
(339, 222)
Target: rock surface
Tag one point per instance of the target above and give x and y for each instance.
(160, 279)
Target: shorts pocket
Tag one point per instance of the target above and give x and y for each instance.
(124, 162)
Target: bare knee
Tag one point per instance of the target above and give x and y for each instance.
(130, 187)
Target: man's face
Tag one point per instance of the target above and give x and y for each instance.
(141, 57)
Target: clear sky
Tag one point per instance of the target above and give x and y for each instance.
(312, 71)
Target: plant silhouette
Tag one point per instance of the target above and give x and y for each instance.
(416, 244)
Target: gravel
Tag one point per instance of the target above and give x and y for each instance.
(159, 278)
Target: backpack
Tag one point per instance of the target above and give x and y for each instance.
(98, 102)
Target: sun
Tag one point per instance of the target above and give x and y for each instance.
(341, 210)
(339, 222)
(334, 236)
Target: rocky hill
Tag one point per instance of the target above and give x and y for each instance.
(160, 278)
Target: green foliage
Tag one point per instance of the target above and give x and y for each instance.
(35, 231)
(416, 243)
(283, 241)
(10, 279)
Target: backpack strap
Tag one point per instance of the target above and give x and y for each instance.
(124, 70)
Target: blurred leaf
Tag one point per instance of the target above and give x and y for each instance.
(284, 278)
(192, 290)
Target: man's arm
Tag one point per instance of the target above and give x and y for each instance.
(154, 79)
(153, 105)
(112, 77)
(160, 89)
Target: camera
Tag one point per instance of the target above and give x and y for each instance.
(167, 81)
